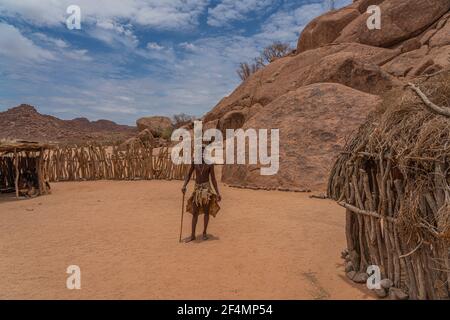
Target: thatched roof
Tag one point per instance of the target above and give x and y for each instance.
(393, 179)
(7, 146)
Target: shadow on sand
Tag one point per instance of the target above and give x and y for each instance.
(198, 239)
(8, 197)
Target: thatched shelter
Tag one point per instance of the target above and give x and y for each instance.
(21, 168)
(394, 181)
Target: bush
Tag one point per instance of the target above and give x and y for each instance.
(270, 53)
(246, 70)
(274, 51)
(166, 134)
(181, 119)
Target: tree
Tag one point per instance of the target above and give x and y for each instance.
(274, 51)
(181, 119)
(269, 54)
(245, 70)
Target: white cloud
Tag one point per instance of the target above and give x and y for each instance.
(77, 54)
(155, 52)
(52, 41)
(114, 34)
(286, 24)
(44, 12)
(115, 109)
(163, 77)
(60, 48)
(114, 26)
(188, 46)
(16, 46)
(172, 15)
(236, 10)
(157, 14)
(154, 46)
(110, 21)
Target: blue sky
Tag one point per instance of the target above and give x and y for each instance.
(135, 58)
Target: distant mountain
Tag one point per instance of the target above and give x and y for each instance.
(25, 122)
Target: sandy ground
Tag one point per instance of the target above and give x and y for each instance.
(124, 237)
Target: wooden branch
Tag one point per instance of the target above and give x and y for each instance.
(318, 196)
(430, 105)
(364, 212)
(366, 154)
(16, 166)
(433, 74)
(411, 252)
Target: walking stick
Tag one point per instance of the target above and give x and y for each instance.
(182, 215)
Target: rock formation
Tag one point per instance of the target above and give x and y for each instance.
(320, 94)
(312, 119)
(157, 125)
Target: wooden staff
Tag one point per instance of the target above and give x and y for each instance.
(16, 165)
(182, 215)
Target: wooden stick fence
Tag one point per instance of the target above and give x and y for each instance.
(22, 171)
(96, 162)
(381, 230)
(7, 173)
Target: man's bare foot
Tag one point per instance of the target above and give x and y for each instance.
(192, 238)
(205, 236)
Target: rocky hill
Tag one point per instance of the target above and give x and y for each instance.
(318, 95)
(25, 122)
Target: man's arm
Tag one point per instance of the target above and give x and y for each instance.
(214, 182)
(188, 177)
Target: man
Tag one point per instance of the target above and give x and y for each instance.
(204, 200)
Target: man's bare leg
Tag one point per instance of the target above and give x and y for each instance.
(206, 221)
(194, 223)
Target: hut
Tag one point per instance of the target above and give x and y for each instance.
(394, 181)
(21, 168)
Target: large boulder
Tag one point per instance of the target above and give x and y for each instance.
(146, 137)
(325, 29)
(419, 62)
(232, 120)
(313, 121)
(134, 141)
(362, 5)
(350, 64)
(442, 36)
(400, 20)
(346, 69)
(158, 126)
(440, 59)
(424, 54)
(400, 66)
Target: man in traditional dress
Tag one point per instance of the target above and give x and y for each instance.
(204, 200)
